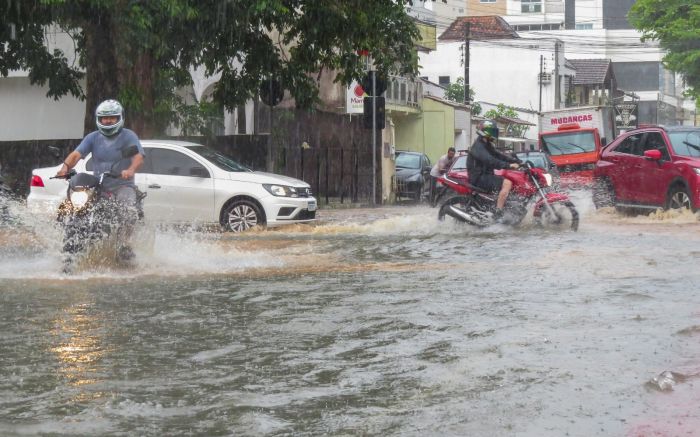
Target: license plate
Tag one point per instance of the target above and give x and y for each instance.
(312, 206)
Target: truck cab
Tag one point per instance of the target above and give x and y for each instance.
(575, 150)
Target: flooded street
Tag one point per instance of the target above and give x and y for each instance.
(371, 322)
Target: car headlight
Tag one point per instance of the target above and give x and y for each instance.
(696, 170)
(548, 179)
(79, 198)
(281, 190)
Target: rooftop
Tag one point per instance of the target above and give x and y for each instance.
(591, 71)
(486, 27)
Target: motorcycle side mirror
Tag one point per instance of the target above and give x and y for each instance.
(55, 152)
(130, 151)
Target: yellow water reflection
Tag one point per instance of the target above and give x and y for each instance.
(79, 346)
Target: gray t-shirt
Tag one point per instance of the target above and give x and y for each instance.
(108, 150)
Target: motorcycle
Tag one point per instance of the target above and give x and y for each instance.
(530, 192)
(91, 215)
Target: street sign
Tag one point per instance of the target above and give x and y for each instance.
(271, 92)
(626, 116)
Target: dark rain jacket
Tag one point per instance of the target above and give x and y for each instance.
(484, 159)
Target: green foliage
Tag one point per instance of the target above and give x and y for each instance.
(455, 93)
(501, 110)
(142, 51)
(676, 25)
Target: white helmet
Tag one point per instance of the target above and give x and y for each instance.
(109, 108)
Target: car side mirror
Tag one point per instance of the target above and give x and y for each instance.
(199, 172)
(130, 151)
(654, 155)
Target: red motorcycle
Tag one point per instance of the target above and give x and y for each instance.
(470, 204)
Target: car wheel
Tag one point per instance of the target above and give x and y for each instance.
(603, 193)
(242, 215)
(678, 198)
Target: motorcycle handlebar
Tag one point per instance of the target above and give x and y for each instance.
(66, 176)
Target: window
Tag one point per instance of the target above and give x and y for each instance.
(686, 143)
(630, 145)
(526, 27)
(530, 6)
(172, 163)
(487, 1)
(444, 80)
(584, 26)
(655, 141)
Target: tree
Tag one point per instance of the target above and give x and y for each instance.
(515, 130)
(141, 52)
(676, 25)
(455, 93)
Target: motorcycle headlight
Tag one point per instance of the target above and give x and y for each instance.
(548, 179)
(79, 198)
(281, 190)
(696, 170)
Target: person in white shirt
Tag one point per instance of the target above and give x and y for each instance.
(441, 166)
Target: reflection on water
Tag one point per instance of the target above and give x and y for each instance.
(78, 348)
(371, 322)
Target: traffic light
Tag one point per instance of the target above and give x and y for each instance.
(367, 112)
(379, 83)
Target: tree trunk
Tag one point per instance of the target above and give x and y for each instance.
(101, 66)
(140, 77)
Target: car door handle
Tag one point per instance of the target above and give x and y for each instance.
(154, 186)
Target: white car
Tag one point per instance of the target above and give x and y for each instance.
(189, 183)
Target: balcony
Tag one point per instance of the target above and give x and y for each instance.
(404, 93)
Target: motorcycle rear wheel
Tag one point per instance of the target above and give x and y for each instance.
(566, 216)
(465, 203)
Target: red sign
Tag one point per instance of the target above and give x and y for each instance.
(571, 119)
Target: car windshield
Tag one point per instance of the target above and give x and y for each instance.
(686, 143)
(460, 163)
(408, 160)
(568, 143)
(219, 160)
(537, 159)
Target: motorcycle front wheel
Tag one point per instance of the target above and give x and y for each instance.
(566, 216)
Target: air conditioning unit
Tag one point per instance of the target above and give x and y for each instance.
(545, 78)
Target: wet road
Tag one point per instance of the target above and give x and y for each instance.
(372, 322)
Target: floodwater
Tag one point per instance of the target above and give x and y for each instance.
(371, 322)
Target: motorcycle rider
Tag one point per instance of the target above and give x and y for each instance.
(484, 159)
(106, 145)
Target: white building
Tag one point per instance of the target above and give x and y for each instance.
(26, 113)
(600, 29)
(502, 70)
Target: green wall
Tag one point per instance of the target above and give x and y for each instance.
(430, 132)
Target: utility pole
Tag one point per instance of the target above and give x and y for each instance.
(466, 62)
(557, 90)
(374, 139)
(540, 80)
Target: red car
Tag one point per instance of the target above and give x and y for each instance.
(650, 167)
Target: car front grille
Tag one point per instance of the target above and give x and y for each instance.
(304, 192)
